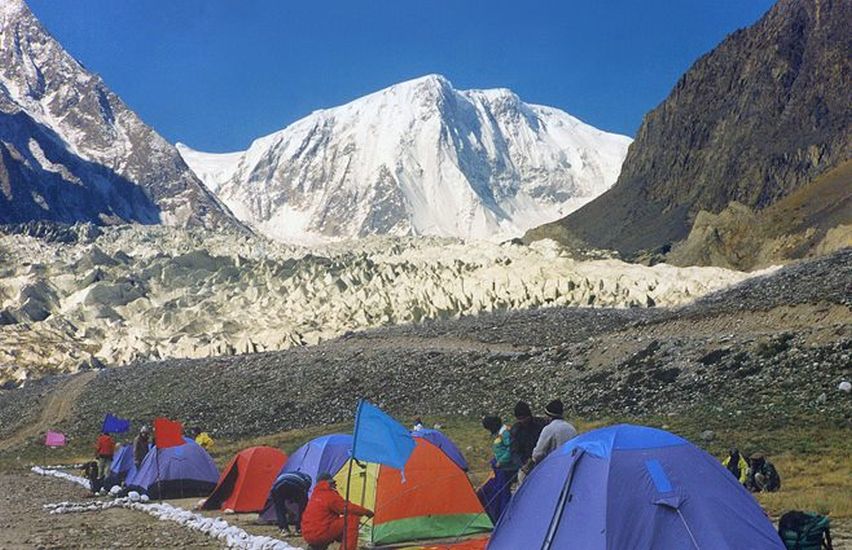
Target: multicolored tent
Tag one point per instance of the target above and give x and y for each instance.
(440, 440)
(326, 454)
(246, 480)
(632, 487)
(176, 472)
(435, 499)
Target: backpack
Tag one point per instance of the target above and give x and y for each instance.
(805, 531)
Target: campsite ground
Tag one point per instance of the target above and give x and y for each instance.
(812, 458)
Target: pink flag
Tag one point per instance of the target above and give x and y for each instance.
(54, 439)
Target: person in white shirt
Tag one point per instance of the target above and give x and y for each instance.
(557, 432)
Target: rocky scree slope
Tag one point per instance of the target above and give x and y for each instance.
(772, 348)
(417, 158)
(113, 296)
(71, 150)
(759, 117)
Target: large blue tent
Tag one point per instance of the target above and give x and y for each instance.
(182, 471)
(440, 440)
(326, 454)
(632, 487)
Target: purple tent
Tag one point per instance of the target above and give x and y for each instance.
(632, 487)
(183, 471)
(122, 466)
(438, 439)
(324, 454)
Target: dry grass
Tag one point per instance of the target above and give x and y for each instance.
(815, 462)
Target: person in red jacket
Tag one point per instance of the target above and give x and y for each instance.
(104, 449)
(322, 521)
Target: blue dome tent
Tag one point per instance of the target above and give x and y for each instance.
(176, 472)
(632, 487)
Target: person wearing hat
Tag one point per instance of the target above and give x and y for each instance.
(557, 432)
(762, 475)
(323, 521)
(141, 444)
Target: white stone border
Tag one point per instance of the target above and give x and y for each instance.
(217, 528)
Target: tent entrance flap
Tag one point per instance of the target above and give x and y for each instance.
(564, 498)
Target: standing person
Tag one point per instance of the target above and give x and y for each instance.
(140, 446)
(524, 434)
(290, 495)
(104, 450)
(736, 464)
(557, 432)
(322, 522)
(496, 493)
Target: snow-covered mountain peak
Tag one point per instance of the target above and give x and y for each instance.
(417, 158)
(71, 150)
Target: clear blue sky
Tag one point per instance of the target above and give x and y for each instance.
(218, 73)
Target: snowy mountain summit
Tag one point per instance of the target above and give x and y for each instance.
(417, 158)
(71, 150)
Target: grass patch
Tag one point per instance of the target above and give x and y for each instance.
(812, 458)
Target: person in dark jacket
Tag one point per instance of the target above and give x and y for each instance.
(322, 522)
(290, 495)
(524, 434)
(141, 446)
(762, 475)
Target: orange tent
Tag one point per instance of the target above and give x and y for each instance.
(246, 480)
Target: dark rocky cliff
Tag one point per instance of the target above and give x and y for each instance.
(760, 116)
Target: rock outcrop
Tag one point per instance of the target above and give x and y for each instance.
(753, 121)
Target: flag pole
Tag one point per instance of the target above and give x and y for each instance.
(349, 476)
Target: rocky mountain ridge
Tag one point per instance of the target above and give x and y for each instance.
(761, 116)
(71, 150)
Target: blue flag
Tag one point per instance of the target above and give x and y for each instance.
(115, 425)
(379, 438)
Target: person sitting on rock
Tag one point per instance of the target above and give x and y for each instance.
(323, 521)
(557, 432)
(290, 495)
(736, 464)
(762, 475)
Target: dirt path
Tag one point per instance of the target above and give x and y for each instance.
(25, 524)
(59, 404)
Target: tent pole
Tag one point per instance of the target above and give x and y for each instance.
(159, 483)
(349, 477)
(560, 504)
(346, 505)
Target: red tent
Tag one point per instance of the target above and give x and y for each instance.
(246, 480)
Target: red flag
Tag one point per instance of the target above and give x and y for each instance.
(168, 433)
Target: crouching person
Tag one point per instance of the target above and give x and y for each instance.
(290, 495)
(322, 522)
